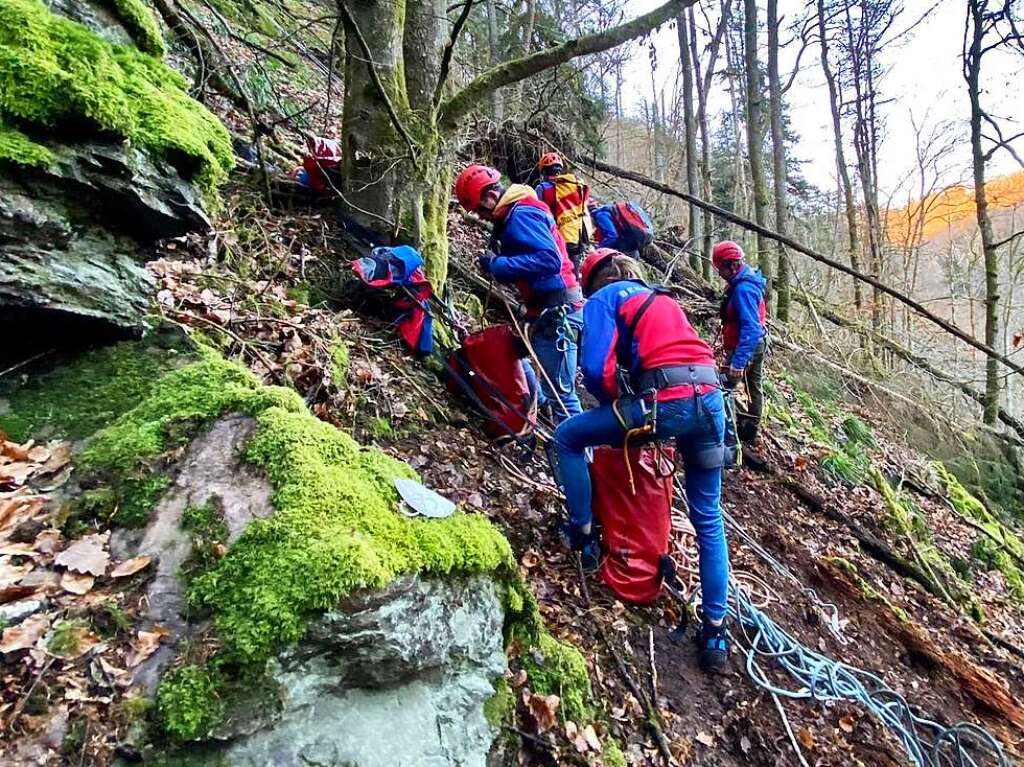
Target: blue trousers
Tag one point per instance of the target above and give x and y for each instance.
(698, 426)
(556, 346)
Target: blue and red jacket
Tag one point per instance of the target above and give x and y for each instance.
(743, 316)
(606, 233)
(662, 338)
(533, 253)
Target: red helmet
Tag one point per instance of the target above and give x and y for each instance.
(593, 260)
(472, 183)
(726, 251)
(550, 160)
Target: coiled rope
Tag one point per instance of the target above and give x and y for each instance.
(927, 743)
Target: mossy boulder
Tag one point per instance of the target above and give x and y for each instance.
(102, 151)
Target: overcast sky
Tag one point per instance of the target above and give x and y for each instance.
(924, 79)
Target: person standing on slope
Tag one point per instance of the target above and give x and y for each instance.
(743, 332)
(527, 249)
(567, 199)
(630, 326)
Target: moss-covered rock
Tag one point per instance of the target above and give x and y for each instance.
(140, 22)
(57, 73)
(557, 668)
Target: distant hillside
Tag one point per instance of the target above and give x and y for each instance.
(951, 210)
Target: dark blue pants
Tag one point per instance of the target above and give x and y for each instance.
(698, 426)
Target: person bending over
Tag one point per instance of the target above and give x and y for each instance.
(528, 250)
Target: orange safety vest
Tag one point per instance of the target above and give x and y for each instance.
(567, 199)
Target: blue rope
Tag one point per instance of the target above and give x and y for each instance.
(926, 742)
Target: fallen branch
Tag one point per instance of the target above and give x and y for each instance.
(800, 248)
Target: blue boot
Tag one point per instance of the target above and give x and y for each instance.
(714, 648)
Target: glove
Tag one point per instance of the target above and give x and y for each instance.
(734, 375)
(484, 262)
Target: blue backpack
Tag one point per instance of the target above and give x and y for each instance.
(636, 229)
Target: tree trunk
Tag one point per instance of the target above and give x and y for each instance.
(686, 64)
(397, 116)
(755, 142)
(841, 167)
(778, 160)
(975, 11)
(494, 51)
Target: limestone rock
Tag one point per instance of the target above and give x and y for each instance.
(397, 676)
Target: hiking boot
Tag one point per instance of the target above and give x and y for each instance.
(590, 557)
(714, 648)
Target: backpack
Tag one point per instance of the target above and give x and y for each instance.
(568, 198)
(636, 229)
(635, 527)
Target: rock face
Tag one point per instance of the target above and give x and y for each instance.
(394, 677)
(71, 234)
(74, 232)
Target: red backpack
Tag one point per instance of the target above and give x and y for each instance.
(634, 224)
(487, 368)
(635, 527)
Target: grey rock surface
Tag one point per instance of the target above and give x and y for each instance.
(212, 469)
(72, 235)
(391, 678)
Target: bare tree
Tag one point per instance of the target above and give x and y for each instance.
(686, 66)
(987, 29)
(842, 168)
(755, 139)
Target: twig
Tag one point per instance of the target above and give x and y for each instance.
(227, 331)
(654, 665)
(25, 362)
(653, 719)
(28, 694)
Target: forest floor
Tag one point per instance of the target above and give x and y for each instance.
(255, 288)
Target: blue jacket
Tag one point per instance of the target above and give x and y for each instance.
(607, 233)
(663, 337)
(533, 253)
(743, 316)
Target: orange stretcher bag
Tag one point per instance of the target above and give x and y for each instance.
(635, 526)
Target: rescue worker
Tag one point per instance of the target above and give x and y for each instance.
(527, 249)
(743, 332)
(629, 325)
(607, 234)
(566, 198)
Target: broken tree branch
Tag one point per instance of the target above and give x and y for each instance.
(509, 72)
(800, 248)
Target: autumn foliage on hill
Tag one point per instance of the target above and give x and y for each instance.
(950, 210)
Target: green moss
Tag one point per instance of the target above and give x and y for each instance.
(18, 148)
(135, 707)
(136, 498)
(55, 72)
(141, 24)
(79, 396)
(335, 530)
(188, 703)
(858, 432)
(206, 521)
(381, 428)
(65, 637)
(869, 591)
(612, 755)
(339, 362)
(110, 620)
(558, 668)
(1000, 549)
(498, 707)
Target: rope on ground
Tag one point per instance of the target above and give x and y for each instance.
(927, 743)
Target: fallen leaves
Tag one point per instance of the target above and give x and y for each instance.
(544, 709)
(86, 555)
(145, 644)
(584, 739)
(131, 566)
(77, 583)
(24, 635)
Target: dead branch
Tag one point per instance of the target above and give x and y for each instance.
(449, 49)
(800, 248)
